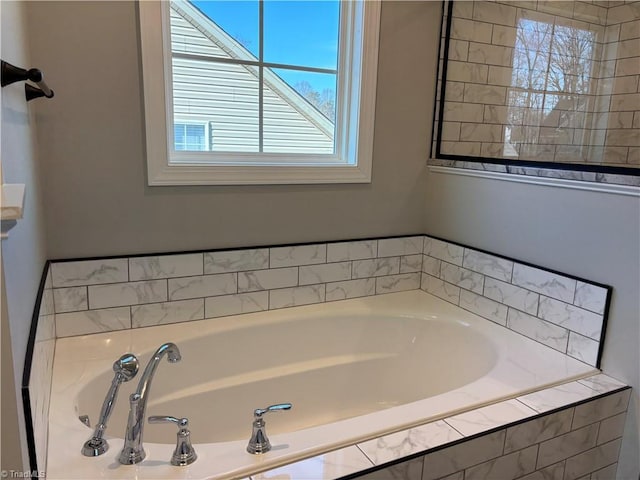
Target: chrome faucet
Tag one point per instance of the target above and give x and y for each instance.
(259, 442)
(125, 368)
(133, 450)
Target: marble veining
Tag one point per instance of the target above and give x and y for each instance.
(267, 279)
(489, 265)
(443, 251)
(472, 452)
(544, 332)
(89, 272)
(486, 308)
(409, 470)
(555, 397)
(393, 247)
(538, 430)
(350, 289)
(236, 260)
(376, 267)
(236, 304)
(513, 465)
(401, 444)
(356, 250)
(440, 289)
(431, 265)
(291, 297)
(131, 293)
(581, 321)
(202, 286)
(168, 312)
(590, 297)
(567, 445)
(462, 277)
(601, 383)
(70, 299)
(324, 273)
(322, 467)
(582, 348)
(491, 416)
(297, 255)
(397, 283)
(546, 283)
(165, 266)
(411, 263)
(511, 295)
(93, 321)
(598, 457)
(600, 409)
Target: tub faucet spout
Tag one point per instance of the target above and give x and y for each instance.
(133, 450)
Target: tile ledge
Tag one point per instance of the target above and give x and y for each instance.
(616, 386)
(616, 189)
(11, 206)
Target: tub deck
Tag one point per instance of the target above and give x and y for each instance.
(355, 370)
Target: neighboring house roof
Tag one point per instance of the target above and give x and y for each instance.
(193, 32)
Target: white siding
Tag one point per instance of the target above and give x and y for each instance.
(226, 96)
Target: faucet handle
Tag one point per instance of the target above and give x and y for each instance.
(259, 442)
(259, 412)
(184, 454)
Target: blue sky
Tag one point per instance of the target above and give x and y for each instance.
(295, 33)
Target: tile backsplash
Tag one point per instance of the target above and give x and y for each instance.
(559, 311)
(92, 296)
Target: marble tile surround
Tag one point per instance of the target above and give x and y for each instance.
(518, 438)
(92, 296)
(96, 296)
(562, 312)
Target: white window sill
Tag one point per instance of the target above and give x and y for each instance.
(258, 175)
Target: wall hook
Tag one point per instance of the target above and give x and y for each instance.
(12, 74)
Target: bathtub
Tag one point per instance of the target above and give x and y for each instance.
(353, 370)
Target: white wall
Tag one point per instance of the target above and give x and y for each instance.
(23, 253)
(587, 234)
(91, 136)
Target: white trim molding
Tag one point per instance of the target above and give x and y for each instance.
(535, 180)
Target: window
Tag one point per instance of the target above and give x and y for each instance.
(290, 90)
(189, 136)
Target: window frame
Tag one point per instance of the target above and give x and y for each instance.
(355, 109)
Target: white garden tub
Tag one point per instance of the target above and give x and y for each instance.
(354, 370)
